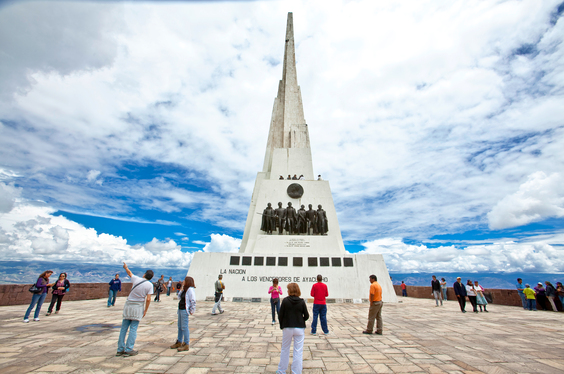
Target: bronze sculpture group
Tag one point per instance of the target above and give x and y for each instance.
(310, 222)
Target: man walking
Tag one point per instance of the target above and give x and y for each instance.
(436, 288)
(375, 311)
(134, 310)
(159, 287)
(115, 287)
(520, 289)
(219, 287)
(460, 292)
(319, 292)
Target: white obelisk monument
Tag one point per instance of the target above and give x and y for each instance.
(286, 254)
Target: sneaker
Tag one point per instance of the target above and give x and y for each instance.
(36, 319)
(326, 333)
(130, 353)
(121, 353)
(26, 320)
(221, 312)
(215, 314)
(274, 322)
(367, 332)
(48, 314)
(313, 333)
(183, 347)
(175, 345)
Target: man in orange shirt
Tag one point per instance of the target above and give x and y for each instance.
(375, 311)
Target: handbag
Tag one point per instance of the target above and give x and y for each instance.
(35, 289)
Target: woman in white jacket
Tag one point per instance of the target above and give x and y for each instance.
(186, 306)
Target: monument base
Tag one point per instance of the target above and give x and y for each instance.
(248, 276)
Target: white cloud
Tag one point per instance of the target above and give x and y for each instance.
(422, 115)
(8, 195)
(534, 254)
(539, 198)
(222, 243)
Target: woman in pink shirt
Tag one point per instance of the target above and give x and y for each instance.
(275, 291)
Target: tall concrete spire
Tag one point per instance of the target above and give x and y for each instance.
(288, 128)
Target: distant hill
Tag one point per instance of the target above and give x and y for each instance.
(22, 272)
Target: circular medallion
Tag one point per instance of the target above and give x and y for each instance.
(295, 191)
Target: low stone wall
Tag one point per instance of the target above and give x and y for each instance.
(499, 296)
(18, 294)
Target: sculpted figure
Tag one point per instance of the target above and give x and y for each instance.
(321, 221)
(311, 217)
(302, 220)
(291, 217)
(280, 217)
(268, 222)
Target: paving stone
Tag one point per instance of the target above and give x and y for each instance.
(418, 338)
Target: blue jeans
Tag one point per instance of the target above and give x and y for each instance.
(132, 326)
(531, 304)
(524, 300)
(37, 298)
(183, 331)
(444, 290)
(168, 291)
(321, 310)
(275, 306)
(112, 297)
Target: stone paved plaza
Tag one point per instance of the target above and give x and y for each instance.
(418, 338)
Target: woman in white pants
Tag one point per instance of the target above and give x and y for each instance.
(292, 316)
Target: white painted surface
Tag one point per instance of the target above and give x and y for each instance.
(250, 281)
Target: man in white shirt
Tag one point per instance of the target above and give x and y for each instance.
(134, 310)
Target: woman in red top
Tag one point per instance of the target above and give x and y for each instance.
(275, 291)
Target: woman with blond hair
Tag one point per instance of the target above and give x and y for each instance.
(186, 306)
(292, 316)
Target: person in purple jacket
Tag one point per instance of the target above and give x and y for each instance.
(39, 298)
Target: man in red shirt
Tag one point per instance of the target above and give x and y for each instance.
(319, 293)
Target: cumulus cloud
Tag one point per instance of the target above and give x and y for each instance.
(222, 243)
(539, 198)
(535, 254)
(8, 195)
(34, 233)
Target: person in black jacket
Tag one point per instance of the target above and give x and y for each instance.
(292, 316)
(460, 292)
(60, 287)
(436, 288)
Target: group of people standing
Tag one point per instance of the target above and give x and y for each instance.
(540, 295)
(474, 292)
(40, 290)
(294, 222)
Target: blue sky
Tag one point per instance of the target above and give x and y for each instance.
(134, 131)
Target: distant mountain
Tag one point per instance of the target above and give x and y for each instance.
(487, 280)
(23, 272)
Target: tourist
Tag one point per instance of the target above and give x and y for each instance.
(460, 292)
(375, 310)
(319, 292)
(540, 294)
(560, 293)
(115, 287)
(471, 292)
(186, 306)
(551, 294)
(292, 317)
(444, 288)
(530, 296)
(219, 287)
(60, 287)
(275, 292)
(134, 310)
(295, 177)
(38, 298)
(169, 286)
(159, 287)
(520, 289)
(403, 289)
(436, 289)
(480, 297)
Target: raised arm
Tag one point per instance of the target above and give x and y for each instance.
(129, 273)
